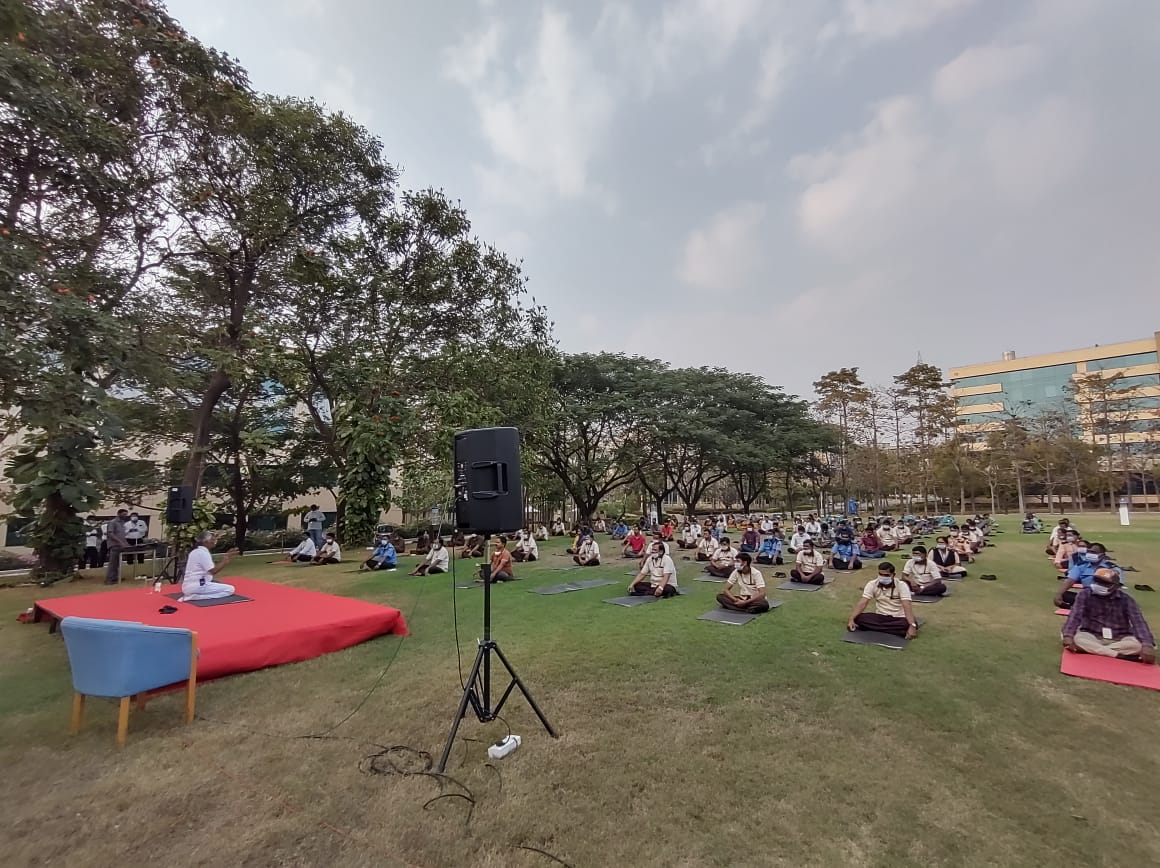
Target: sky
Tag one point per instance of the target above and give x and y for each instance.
(782, 187)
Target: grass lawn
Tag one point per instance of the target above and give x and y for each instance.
(684, 743)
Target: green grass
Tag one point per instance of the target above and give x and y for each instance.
(683, 742)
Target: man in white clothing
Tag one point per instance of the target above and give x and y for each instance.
(799, 539)
(135, 530)
(304, 552)
(588, 555)
(658, 575)
(330, 553)
(745, 588)
(312, 522)
(197, 582)
(526, 549)
(436, 560)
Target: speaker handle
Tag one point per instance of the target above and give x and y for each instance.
(501, 479)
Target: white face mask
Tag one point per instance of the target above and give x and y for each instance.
(886, 580)
(942, 547)
(1100, 590)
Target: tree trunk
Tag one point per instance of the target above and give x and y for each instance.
(199, 446)
(660, 504)
(962, 498)
(1019, 492)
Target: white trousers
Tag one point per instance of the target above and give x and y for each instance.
(208, 591)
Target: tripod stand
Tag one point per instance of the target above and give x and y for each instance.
(477, 691)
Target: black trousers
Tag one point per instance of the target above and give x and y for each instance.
(882, 623)
(742, 606)
(645, 589)
(719, 572)
(815, 579)
(931, 589)
(91, 557)
(767, 561)
(374, 564)
(845, 565)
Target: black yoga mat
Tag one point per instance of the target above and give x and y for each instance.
(216, 601)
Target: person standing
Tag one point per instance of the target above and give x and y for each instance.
(117, 540)
(135, 530)
(313, 522)
(92, 555)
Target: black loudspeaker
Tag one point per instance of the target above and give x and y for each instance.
(489, 495)
(179, 507)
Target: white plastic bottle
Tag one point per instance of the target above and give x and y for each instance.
(157, 587)
(503, 747)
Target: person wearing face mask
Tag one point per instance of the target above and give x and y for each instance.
(808, 565)
(1083, 573)
(799, 538)
(946, 560)
(769, 552)
(886, 539)
(892, 608)
(1079, 556)
(745, 588)
(844, 552)
(1065, 550)
(657, 576)
(1106, 621)
(922, 575)
(435, 561)
(869, 544)
(721, 561)
(749, 539)
(588, 552)
(501, 561)
(330, 553)
(1058, 535)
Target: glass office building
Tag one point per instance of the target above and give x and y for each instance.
(1082, 383)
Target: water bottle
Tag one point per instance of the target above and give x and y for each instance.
(503, 747)
(157, 586)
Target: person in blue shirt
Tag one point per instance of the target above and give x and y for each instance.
(383, 557)
(1083, 572)
(844, 553)
(769, 552)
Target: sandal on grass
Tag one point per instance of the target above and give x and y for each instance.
(988, 577)
(1143, 587)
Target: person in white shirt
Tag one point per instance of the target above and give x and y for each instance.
(526, 549)
(892, 608)
(720, 527)
(304, 552)
(330, 553)
(1058, 534)
(588, 554)
(435, 561)
(766, 525)
(808, 565)
(706, 546)
(92, 553)
(722, 560)
(921, 574)
(313, 522)
(657, 576)
(542, 533)
(813, 527)
(946, 560)
(886, 538)
(799, 539)
(557, 527)
(745, 588)
(135, 530)
(197, 581)
(689, 536)
(902, 534)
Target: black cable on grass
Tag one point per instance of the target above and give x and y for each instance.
(544, 853)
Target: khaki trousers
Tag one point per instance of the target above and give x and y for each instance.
(1093, 644)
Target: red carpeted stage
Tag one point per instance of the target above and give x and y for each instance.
(278, 625)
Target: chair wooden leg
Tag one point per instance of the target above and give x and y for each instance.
(78, 713)
(123, 721)
(141, 700)
(191, 689)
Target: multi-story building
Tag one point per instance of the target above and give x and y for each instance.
(1111, 391)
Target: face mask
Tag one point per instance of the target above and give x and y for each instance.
(1092, 558)
(1081, 550)
(1100, 590)
(919, 560)
(942, 548)
(737, 565)
(886, 580)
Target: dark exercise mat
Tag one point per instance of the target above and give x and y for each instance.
(873, 637)
(633, 600)
(928, 598)
(798, 586)
(708, 578)
(572, 586)
(953, 578)
(216, 601)
(551, 589)
(728, 616)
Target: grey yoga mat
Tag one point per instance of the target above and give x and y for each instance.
(216, 601)
(873, 637)
(635, 600)
(737, 619)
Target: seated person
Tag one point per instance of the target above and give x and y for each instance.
(472, 547)
(598, 526)
(844, 553)
(707, 545)
(399, 543)
(745, 588)
(542, 532)
(902, 534)
(457, 539)
(383, 557)
(749, 539)
(769, 552)
(962, 547)
(304, 552)
(946, 560)
(1058, 534)
(722, 560)
(501, 561)
(666, 530)
(1083, 573)
(577, 534)
(892, 609)
(1106, 621)
(922, 575)
(435, 561)
(330, 553)
(1031, 524)
(588, 553)
(657, 537)
(1065, 550)
(526, 550)
(1079, 556)
(423, 543)
(808, 565)
(620, 530)
(886, 539)
(634, 544)
(799, 538)
(975, 539)
(657, 576)
(558, 527)
(197, 581)
(869, 543)
(689, 536)
(812, 526)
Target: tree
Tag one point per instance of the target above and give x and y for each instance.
(923, 392)
(842, 395)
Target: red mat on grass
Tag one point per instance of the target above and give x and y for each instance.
(1111, 670)
(279, 624)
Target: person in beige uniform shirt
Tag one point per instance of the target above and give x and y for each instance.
(921, 574)
(808, 565)
(721, 561)
(892, 608)
(745, 587)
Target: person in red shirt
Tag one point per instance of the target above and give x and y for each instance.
(501, 561)
(634, 544)
(869, 543)
(667, 530)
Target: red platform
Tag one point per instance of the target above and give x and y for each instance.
(278, 625)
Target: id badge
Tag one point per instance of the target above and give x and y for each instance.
(1107, 632)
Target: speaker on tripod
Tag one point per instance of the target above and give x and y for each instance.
(488, 499)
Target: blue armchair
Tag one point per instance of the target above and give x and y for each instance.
(123, 659)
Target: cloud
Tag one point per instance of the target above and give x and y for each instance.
(983, 68)
(544, 124)
(726, 252)
(1032, 154)
(336, 88)
(873, 20)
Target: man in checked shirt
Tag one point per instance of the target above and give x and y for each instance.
(1106, 621)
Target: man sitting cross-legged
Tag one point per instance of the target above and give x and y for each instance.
(798, 539)
(330, 553)
(1058, 535)
(304, 552)
(745, 588)
(689, 536)
(501, 561)
(892, 610)
(750, 539)
(946, 560)
(436, 560)
(1106, 621)
(721, 561)
(769, 552)
(922, 576)
(1064, 551)
(383, 557)
(588, 554)
(1083, 572)
(657, 576)
(527, 549)
(844, 553)
(472, 547)
(886, 538)
(869, 543)
(634, 544)
(706, 546)
(422, 543)
(808, 565)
